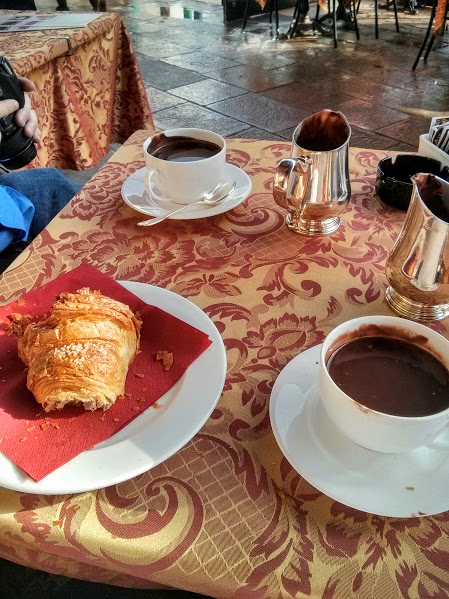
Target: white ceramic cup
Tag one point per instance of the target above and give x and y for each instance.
(371, 429)
(183, 182)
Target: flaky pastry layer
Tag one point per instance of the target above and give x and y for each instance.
(81, 353)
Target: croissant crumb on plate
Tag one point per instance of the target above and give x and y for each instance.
(80, 354)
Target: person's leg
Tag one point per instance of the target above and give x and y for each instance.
(47, 188)
(62, 5)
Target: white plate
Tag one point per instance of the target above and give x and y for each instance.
(156, 434)
(399, 485)
(134, 196)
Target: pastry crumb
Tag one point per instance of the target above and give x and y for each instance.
(19, 322)
(166, 357)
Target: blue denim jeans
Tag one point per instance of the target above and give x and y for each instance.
(47, 188)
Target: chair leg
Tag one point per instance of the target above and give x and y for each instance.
(334, 13)
(297, 7)
(376, 20)
(296, 16)
(354, 16)
(433, 38)
(395, 8)
(277, 18)
(429, 47)
(273, 4)
(245, 18)
(426, 37)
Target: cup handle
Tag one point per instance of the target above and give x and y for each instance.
(149, 188)
(289, 171)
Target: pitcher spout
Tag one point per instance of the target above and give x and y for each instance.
(433, 193)
(323, 131)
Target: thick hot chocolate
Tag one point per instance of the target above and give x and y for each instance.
(181, 149)
(391, 376)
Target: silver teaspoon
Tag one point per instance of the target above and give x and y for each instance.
(214, 197)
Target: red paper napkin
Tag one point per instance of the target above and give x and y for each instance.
(41, 442)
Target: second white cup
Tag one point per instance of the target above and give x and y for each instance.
(371, 428)
(182, 165)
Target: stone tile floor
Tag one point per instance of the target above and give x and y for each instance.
(247, 84)
(198, 70)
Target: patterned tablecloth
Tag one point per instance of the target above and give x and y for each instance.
(227, 515)
(442, 8)
(86, 100)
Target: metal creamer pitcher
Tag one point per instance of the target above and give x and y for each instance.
(313, 185)
(418, 265)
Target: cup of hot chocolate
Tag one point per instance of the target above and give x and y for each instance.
(384, 382)
(183, 165)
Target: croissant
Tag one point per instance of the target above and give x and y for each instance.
(81, 353)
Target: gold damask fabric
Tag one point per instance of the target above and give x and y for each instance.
(227, 515)
(87, 99)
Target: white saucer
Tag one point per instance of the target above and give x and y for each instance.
(134, 195)
(401, 485)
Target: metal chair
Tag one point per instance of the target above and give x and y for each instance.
(298, 16)
(428, 30)
(273, 4)
(339, 11)
(376, 15)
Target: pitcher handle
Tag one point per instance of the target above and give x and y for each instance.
(288, 171)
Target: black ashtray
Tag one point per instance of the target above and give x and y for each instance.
(393, 184)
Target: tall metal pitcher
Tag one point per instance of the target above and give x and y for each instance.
(418, 266)
(313, 185)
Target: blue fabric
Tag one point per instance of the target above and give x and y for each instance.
(16, 214)
(45, 191)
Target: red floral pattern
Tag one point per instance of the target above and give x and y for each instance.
(86, 100)
(227, 515)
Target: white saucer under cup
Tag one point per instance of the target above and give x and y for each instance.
(402, 485)
(133, 193)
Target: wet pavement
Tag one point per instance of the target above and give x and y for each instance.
(199, 70)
